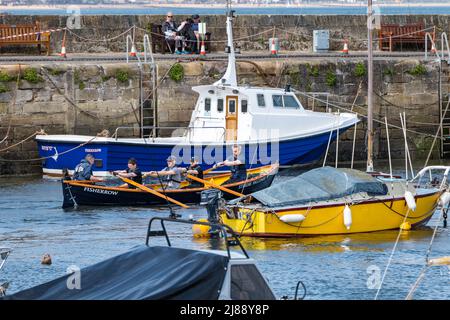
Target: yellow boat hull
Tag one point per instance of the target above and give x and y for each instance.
(368, 216)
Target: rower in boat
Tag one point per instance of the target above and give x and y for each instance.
(195, 170)
(132, 172)
(237, 165)
(170, 176)
(83, 171)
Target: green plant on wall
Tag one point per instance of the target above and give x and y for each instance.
(313, 70)
(122, 76)
(31, 75)
(81, 85)
(388, 72)
(3, 88)
(176, 73)
(331, 79)
(294, 78)
(360, 69)
(55, 71)
(418, 70)
(4, 77)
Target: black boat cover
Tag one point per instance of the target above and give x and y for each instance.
(320, 184)
(141, 274)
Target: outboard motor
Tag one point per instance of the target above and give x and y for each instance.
(210, 198)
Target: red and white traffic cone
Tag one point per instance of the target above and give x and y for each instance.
(345, 50)
(63, 52)
(202, 49)
(63, 47)
(273, 48)
(433, 48)
(133, 51)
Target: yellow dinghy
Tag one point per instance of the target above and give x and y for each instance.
(327, 201)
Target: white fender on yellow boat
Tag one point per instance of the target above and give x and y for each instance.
(292, 218)
(347, 217)
(410, 201)
(444, 199)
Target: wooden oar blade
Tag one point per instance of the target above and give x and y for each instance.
(208, 183)
(154, 192)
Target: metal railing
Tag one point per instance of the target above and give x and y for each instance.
(445, 48)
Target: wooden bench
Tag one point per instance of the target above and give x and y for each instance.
(24, 34)
(159, 41)
(392, 34)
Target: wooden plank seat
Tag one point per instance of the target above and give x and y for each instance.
(24, 34)
(391, 35)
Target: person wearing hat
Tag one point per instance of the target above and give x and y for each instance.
(196, 21)
(194, 26)
(132, 172)
(83, 170)
(171, 175)
(195, 170)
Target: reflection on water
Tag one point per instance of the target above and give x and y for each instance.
(332, 267)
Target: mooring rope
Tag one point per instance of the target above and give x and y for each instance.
(391, 256)
(426, 266)
(24, 140)
(48, 157)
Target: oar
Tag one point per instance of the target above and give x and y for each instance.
(154, 192)
(237, 194)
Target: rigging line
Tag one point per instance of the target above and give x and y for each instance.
(437, 132)
(215, 41)
(12, 104)
(403, 216)
(362, 115)
(425, 267)
(48, 157)
(22, 141)
(356, 39)
(100, 40)
(391, 256)
(67, 98)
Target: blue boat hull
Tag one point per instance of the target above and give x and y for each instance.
(114, 155)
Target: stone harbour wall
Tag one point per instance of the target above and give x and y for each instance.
(64, 98)
(100, 34)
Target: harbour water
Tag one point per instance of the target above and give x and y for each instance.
(310, 10)
(341, 267)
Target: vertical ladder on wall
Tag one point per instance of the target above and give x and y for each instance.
(148, 97)
(444, 88)
(148, 92)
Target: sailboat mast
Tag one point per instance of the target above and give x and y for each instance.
(369, 89)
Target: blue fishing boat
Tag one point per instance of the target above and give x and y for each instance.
(269, 123)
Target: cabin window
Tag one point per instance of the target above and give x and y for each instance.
(277, 100)
(290, 102)
(247, 283)
(261, 100)
(207, 104)
(244, 106)
(231, 106)
(219, 105)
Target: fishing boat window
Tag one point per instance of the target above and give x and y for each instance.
(219, 105)
(231, 106)
(290, 102)
(244, 106)
(261, 100)
(277, 100)
(248, 284)
(207, 104)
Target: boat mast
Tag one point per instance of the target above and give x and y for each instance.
(229, 78)
(369, 89)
